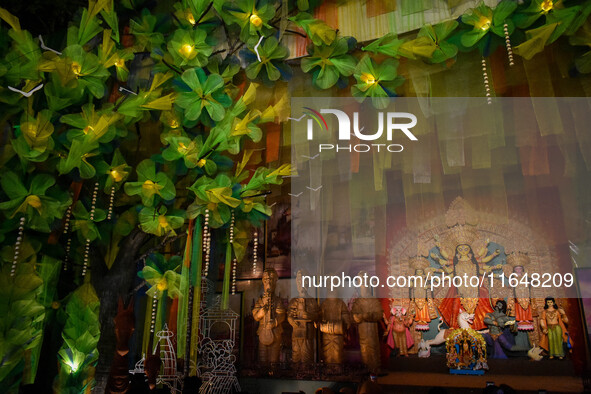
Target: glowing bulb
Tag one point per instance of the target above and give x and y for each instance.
(368, 78)
(116, 175)
(547, 5)
(201, 163)
(484, 23)
(120, 63)
(182, 148)
(76, 68)
(162, 285)
(186, 50)
(73, 366)
(191, 18)
(256, 20)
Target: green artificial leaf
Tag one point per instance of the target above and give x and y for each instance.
(251, 16)
(329, 63)
(483, 19)
(317, 30)
(378, 81)
(144, 32)
(535, 42)
(189, 48)
(161, 276)
(207, 93)
(84, 222)
(150, 183)
(387, 45)
(158, 223)
(272, 55)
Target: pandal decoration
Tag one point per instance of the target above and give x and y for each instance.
(466, 352)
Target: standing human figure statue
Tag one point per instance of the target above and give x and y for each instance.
(420, 293)
(497, 336)
(367, 312)
(520, 304)
(335, 320)
(553, 324)
(302, 314)
(270, 313)
(398, 335)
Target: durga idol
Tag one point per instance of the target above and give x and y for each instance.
(457, 258)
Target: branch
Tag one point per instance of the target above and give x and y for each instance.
(171, 67)
(204, 13)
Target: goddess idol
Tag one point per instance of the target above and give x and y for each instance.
(456, 257)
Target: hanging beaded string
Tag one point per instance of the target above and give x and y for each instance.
(508, 45)
(486, 83)
(87, 244)
(110, 213)
(154, 305)
(206, 242)
(69, 241)
(255, 256)
(233, 259)
(17, 246)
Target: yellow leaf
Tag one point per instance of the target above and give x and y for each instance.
(250, 93)
(245, 158)
(162, 103)
(536, 40)
(10, 19)
(159, 79)
(37, 132)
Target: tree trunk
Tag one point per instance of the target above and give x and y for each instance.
(110, 285)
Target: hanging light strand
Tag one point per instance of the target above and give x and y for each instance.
(206, 243)
(255, 256)
(17, 246)
(154, 305)
(486, 82)
(111, 201)
(508, 45)
(234, 262)
(69, 241)
(87, 244)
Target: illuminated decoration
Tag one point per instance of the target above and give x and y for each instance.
(508, 45)
(256, 20)
(120, 63)
(206, 242)
(255, 255)
(154, 306)
(486, 82)
(76, 68)
(87, 244)
(483, 24)
(69, 241)
(547, 5)
(368, 78)
(88, 129)
(187, 50)
(191, 18)
(111, 202)
(466, 352)
(17, 246)
(234, 262)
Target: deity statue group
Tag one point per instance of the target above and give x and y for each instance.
(409, 324)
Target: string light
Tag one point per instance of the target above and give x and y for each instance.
(154, 305)
(69, 241)
(508, 45)
(111, 201)
(255, 252)
(17, 246)
(234, 262)
(206, 242)
(486, 83)
(87, 244)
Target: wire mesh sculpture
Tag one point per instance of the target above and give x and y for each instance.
(216, 367)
